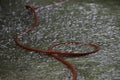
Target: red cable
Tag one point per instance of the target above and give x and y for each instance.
(50, 50)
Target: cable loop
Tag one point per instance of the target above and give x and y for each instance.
(51, 50)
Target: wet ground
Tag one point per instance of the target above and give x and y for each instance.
(85, 21)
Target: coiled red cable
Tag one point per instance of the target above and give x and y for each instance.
(50, 51)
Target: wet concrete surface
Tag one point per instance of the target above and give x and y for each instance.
(84, 21)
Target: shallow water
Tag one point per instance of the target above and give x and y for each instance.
(84, 21)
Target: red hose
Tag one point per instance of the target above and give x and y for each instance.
(50, 50)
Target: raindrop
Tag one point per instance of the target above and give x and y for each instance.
(13, 13)
(0, 8)
(10, 4)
